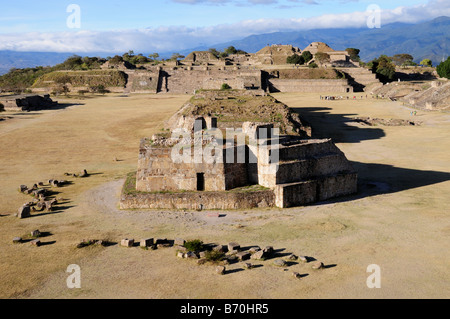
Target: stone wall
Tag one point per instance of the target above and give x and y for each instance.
(199, 200)
(309, 86)
(182, 81)
(158, 171)
(306, 192)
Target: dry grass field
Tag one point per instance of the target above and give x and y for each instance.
(399, 219)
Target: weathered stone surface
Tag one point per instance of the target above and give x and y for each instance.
(317, 265)
(181, 248)
(191, 255)
(221, 248)
(127, 242)
(280, 263)
(243, 255)
(147, 242)
(202, 254)
(202, 261)
(254, 249)
(180, 254)
(17, 240)
(268, 251)
(303, 259)
(258, 255)
(166, 245)
(24, 212)
(233, 246)
(23, 188)
(35, 233)
(292, 257)
(248, 266)
(220, 270)
(36, 242)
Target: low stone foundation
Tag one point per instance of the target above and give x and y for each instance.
(226, 200)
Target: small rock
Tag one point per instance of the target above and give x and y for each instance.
(248, 266)
(17, 240)
(36, 242)
(35, 233)
(296, 275)
(220, 270)
(127, 242)
(292, 257)
(258, 255)
(24, 212)
(167, 245)
(243, 255)
(23, 188)
(317, 265)
(146, 242)
(254, 249)
(279, 263)
(41, 183)
(180, 254)
(202, 254)
(220, 248)
(191, 255)
(202, 261)
(268, 251)
(233, 246)
(303, 259)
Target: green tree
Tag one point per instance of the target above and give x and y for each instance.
(426, 62)
(402, 59)
(443, 69)
(354, 54)
(384, 68)
(215, 52)
(176, 56)
(295, 59)
(154, 56)
(322, 57)
(230, 50)
(307, 56)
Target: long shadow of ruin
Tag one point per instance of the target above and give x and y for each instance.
(377, 179)
(335, 126)
(373, 178)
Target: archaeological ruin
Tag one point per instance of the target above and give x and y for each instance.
(236, 149)
(26, 102)
(262, 70)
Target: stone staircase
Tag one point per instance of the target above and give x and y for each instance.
(359, 78)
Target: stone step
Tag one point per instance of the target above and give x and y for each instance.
(310, 191)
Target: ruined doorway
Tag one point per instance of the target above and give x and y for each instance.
(200, 182)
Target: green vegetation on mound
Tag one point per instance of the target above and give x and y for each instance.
(107, 78)
(231, 107)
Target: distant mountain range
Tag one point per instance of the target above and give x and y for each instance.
(422, 40)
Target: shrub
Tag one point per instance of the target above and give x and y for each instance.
(313, 65)
(225, 86)
(214, 256)
(295, 59)
(443, 69)
(194, 245)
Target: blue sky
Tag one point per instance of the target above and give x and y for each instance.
(163, 25)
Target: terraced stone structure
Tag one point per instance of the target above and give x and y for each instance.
(237, 150)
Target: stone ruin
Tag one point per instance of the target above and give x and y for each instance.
(198, 164)
(27, 102)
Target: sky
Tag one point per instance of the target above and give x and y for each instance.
(165, 25)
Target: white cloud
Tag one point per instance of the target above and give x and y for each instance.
(174, 38)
